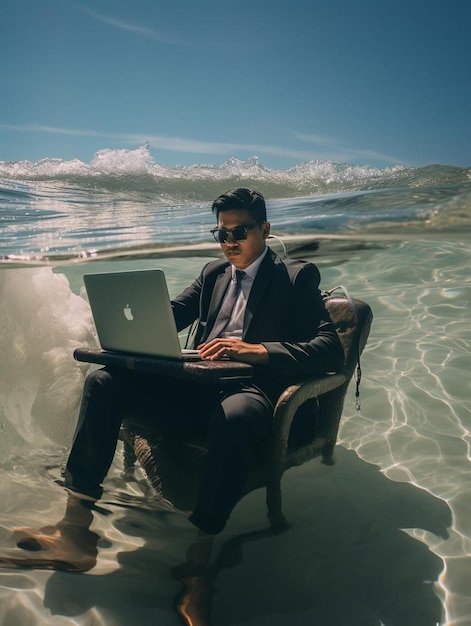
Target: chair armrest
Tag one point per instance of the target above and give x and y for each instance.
(288, 403)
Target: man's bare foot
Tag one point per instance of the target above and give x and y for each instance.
(193, 603)
(68, 546)
(50, 547)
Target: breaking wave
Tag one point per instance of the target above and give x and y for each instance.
(137, 170)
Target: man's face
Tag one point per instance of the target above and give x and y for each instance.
(243, 253)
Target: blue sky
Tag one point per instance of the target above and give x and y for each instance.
(368, 82)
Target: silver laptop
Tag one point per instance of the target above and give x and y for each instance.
(133, 314)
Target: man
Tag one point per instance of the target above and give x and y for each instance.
(271, 316)
(252, 306)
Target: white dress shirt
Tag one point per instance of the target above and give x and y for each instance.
(235, 325)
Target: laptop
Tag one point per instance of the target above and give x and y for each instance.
(133, 314)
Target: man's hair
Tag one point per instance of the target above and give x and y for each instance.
(241, 199)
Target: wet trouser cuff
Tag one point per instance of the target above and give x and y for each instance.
(81, 489)
(207, 523)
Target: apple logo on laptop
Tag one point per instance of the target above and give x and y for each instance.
(128, 313)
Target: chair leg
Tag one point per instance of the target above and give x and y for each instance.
(331, 406)
(275, 514)
(328, 453)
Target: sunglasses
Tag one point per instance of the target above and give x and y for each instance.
(239, 233)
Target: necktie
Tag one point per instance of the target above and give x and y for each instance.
(227, 307)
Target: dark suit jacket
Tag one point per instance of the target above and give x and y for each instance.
(285, 312)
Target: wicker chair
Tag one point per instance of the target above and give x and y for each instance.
(174, 467)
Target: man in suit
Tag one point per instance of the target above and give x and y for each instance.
(252, 306)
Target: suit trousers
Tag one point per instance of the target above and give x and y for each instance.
(236, 419)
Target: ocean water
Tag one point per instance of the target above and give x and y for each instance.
(381, 537)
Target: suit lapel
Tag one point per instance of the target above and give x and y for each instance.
(261, 282)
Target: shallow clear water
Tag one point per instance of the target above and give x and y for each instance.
(381, 537)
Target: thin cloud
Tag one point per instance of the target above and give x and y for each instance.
(343, 153)
(175, 144)
(135, 29)
(329, 150)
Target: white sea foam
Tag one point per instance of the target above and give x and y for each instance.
(111, 167)
(41, 322)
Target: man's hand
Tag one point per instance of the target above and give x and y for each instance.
(235, 350)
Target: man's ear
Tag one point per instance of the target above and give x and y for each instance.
(266, 229)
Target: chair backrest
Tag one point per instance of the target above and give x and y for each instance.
(352, 324)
